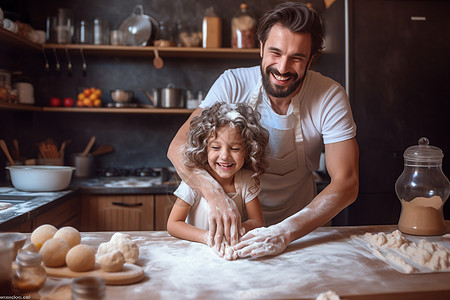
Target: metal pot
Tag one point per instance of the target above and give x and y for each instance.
(168, 97)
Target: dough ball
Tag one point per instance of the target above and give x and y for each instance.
(70, 235)
(81, 258)
(123, 243)
(111, 261)
(54, 252)
(42, 234)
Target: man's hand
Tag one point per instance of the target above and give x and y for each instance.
(224, 220)
(262, 241)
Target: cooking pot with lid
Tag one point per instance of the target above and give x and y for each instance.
(168, 97)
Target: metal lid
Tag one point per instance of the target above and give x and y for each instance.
(424, 153)
(28, 258)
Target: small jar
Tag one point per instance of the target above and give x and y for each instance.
(88, 288)
(30, 274)
(422, 189)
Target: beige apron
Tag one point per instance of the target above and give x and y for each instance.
(288, 185)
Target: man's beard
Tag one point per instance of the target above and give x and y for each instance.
(275, 91)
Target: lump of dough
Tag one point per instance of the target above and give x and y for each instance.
(123, 243)
(111, 261)
(54, 252)
(42, 234)
(71, 235)
(81, 258)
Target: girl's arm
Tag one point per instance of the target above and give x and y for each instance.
(254, 214)
(177, 226)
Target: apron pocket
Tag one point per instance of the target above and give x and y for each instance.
(282, 166)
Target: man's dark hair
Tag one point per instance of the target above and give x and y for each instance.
(297, 17)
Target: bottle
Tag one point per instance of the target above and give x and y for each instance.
(243, 29)
(88, 288)
(422, 189)
(30, 274)
(211, 29)
(3, 90)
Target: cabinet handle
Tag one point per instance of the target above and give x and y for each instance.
(127, 204)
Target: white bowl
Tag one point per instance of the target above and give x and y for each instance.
(40, 178)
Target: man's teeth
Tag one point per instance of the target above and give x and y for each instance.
(278, 77)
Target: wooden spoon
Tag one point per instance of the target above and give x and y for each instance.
(5, 149)
(157, 61)
(89, 146)
(102, 149)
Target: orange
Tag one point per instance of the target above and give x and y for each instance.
(87, 92)
(80, 103)
(93, 96)
(97, 102)
(87, 102)
(81, 96)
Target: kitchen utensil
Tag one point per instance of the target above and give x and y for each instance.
(168, 97)
(47, 65)
(136, 29)
(83, 60)
(84, 165)
(6, 253)
(89, 146)
(16, 152)
(422, 189)
(6, 151)
(157, 61)
(102, 149)
(119, 95)
(40, 178)
(130, 274)
(58, 65)
(69, 62)
(154, 97)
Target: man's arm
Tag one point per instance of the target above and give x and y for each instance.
(224, 215)
(342, 161)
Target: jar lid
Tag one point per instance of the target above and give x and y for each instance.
(28, 258)
(423, 152)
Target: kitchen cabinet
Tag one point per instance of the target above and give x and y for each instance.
(67, 213)
(163, 206)
(117, 212)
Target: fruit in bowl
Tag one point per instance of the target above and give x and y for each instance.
(89, 97)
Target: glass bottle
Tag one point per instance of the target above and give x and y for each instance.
(88, 288)
(243, 29)
(422, 189)
(30, 274)
(211, 29)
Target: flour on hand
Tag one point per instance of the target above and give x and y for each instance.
(330, 295)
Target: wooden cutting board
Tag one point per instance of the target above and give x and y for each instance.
(130, 274)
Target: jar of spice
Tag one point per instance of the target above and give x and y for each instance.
(212, 29)
(88, 288)
(30, 274)
(243, 29)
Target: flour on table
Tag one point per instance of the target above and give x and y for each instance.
(330, 295)
(429, 255)
(4, 206)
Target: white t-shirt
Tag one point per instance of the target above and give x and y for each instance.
(325, 117)
(246, 191)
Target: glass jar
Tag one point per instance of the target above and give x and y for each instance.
(243, 29)
(88, 288)
(30, 274)
(422, 189)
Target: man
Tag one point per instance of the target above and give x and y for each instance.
(302, 110)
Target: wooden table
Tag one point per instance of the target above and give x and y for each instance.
(327, 259)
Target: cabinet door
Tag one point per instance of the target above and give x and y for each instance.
(65, 214)
(163, 206)
(118, 212)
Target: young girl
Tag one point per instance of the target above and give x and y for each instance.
(228, 142)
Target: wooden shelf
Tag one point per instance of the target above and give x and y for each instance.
(188, 52)
(107, 110)
(12, 39)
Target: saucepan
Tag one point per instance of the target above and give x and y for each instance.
(168, 97)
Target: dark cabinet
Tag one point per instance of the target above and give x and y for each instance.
(397, 77)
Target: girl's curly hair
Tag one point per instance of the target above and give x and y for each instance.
(238, 115)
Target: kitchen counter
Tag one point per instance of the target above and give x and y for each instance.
(326, 259)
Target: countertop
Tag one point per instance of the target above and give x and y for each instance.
(326, 259)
